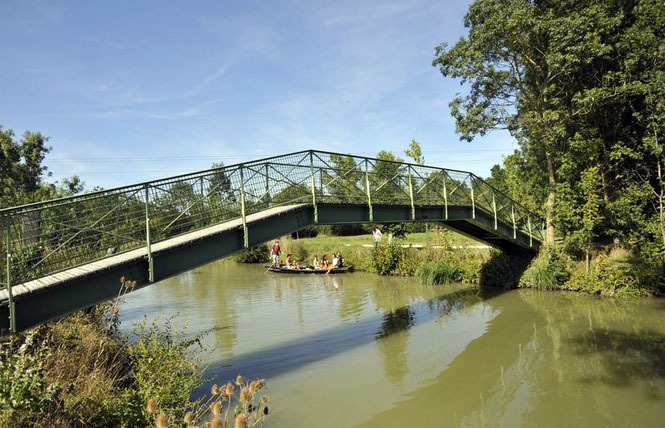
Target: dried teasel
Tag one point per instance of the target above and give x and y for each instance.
(151, 406)
(230, 389)
(216, 408)
(264, 399)
(241, 421)
(214, 390)
(188, 418)
(217, 423)
(245, 395)
(240, 380)
(162, 421)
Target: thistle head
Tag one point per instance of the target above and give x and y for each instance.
(240, 380)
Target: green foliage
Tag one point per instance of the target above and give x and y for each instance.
(415, 152)
(346, 229)
(619, 273)
(298, 251)
(439, 272)
(548, 271)
(257, 254)
(163, 361)
(581, 87)
(23, 386)
(386, 258)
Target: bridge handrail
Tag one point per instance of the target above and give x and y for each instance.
(102, 192)
(94, 225)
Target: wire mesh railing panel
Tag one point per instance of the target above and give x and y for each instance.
(56, 235)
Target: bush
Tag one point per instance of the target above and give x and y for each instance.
(163, 368)
(385, 259)
(548, 271)
(298, 251)
(258, 254)
(24, 391)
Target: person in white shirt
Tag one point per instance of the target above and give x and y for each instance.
(376, 233)
(315, 262)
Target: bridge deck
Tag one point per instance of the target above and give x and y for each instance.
(80, 272)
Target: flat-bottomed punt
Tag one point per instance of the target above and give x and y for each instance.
(307, 270)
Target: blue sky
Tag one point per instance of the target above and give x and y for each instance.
(130, 91)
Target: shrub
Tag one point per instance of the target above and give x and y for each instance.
(548, 271)
(298, 251)
(258, 254)
(386, 258)
(24, 391)
(163, 364)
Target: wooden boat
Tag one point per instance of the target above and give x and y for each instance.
(306, 270)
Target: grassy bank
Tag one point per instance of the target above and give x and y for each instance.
(81, 372)
(438, 258)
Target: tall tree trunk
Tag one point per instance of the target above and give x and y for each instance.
(549, 203)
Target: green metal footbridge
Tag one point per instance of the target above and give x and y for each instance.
(66, 254)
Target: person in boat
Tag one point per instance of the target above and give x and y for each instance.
(324, 262)
(336, 262)
(275, 252)
(315, 263)
(290, 263)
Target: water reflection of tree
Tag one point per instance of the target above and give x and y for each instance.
(594, 351)
(392, 341)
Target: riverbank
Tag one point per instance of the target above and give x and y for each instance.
(80, 371)
(441, 257)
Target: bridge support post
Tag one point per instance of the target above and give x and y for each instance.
(512, 212)
(413, 206)
(12, 307)
(445, 194)
(148, 241)
(473, 199)
(313, 182)
(242, 209)
(530, 233)
(369, 194)
(267, 186)
(496, 222)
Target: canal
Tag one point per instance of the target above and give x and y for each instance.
(360, 350)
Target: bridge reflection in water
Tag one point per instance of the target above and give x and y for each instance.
(69, 253)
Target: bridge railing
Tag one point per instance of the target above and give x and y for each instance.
(48, 237)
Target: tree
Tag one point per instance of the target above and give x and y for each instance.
(22, 169)
(524, 62)
(415, 152)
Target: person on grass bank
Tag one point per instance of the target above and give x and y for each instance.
(376, 234)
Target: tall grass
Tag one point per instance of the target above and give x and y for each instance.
(439, 272)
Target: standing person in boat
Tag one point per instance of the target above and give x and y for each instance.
(275, 251)
(316, 262)
(290, 264)
(376, 233)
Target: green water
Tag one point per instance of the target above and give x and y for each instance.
(359, 350)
